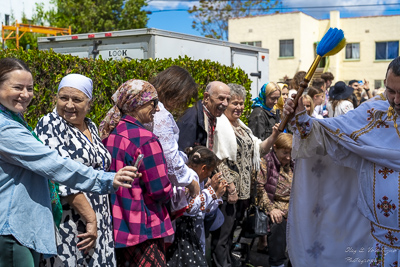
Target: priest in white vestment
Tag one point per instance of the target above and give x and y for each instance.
(345, 199)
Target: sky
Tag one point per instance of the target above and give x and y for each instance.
(173, 16)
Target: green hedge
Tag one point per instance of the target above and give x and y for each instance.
(48, 68)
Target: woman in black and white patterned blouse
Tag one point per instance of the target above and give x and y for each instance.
(85, 232)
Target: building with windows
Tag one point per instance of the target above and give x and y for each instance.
(12, 10)
(372, 42)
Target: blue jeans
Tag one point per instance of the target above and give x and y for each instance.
(13, 254)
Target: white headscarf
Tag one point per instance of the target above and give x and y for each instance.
(77, 81)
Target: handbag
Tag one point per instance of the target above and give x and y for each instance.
(255, 222)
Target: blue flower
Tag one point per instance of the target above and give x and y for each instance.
(316, 250)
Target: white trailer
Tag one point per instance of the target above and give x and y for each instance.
(154, 43)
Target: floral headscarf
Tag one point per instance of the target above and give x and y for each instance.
(266, 90)
(129, 96)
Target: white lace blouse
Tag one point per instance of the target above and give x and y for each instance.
(164, 126)
(343, 107)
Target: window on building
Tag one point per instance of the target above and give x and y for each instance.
(322, 63)
(256, 43)
(286, 48)
(379, 84)
(386, 50)
(7, 19)
(353, 51)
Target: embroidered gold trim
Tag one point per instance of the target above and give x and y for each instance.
(390, 112)
(387, 229)
(331, 131)
(392, 116)
(298, 124)
(365, 127)
(376, 122)
(395, 124)
(336, 133)
(373, 194)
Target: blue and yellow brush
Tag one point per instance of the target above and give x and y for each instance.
(332, 42)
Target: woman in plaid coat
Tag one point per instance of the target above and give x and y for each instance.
(140, 216)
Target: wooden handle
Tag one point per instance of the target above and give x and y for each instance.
(303, 85)
(287, 118)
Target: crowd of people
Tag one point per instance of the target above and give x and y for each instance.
(145, 189)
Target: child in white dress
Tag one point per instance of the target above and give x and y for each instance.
(188, 248)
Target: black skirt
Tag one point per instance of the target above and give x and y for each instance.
(186, 249)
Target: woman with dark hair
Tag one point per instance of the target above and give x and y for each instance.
(26, 169)
(188, 248)
(318, 97)
(339, 99)
(175, 88)
(328, 78)
(297, 79)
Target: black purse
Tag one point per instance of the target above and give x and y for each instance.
(255, 222)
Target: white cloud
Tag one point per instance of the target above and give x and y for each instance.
(171, 4)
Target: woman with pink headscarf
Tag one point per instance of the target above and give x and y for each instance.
(140, 216)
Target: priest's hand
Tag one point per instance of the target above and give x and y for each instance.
(289, 107)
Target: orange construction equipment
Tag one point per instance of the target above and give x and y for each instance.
(20, 29)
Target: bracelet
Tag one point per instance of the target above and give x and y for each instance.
(366, 90)
(233, 192)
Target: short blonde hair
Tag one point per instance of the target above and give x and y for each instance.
(284, 141)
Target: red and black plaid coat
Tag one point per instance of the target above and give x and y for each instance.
(139, 213)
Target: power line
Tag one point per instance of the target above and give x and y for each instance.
(281, 8)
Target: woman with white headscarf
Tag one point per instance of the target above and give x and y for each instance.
(85, 228)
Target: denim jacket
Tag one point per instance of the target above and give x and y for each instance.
(25, 167)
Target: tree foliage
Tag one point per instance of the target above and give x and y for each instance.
(84, 16)
(98, 15)
(211, 16)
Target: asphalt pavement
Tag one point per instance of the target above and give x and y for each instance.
(245, 255)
